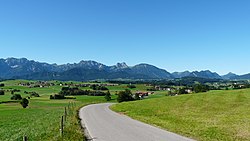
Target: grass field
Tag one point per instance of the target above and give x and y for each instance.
(211, 116)
(41, 120)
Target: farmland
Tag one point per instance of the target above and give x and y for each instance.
(213, 115)
(210, 116)
(41, 119)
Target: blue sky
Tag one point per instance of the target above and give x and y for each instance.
(176, 35)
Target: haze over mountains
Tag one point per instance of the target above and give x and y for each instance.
(13, 68)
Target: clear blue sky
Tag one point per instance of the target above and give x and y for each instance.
(176, 35)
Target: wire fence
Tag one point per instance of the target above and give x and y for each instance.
(68, 111)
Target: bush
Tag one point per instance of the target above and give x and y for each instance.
(131, 86)
(1, 85)
(182, 91)
(57, 96)
(16, 97)
(34, 94)
(1, 92)
(108, 96)
(24, 102)
(125, 96)
(137, 96)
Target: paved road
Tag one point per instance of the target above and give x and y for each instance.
(106, 125)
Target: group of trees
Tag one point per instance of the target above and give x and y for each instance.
(182, 91)
(97, 87)
(32, 94)
(16, 97)
(73, 91)
(67, 91)
(24, 102)
(57, 96)
(125, 96)
(239, 86)
(197, 88)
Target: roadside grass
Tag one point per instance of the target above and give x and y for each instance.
(211, 116)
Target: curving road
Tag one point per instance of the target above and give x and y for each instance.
(105, 125)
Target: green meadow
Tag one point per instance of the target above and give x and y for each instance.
(212, 116)
(40, 121)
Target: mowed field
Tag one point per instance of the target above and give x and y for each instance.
(41, 120)
(211, 116)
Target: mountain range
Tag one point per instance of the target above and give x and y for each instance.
(14, 68)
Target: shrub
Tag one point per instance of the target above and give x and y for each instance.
(24, 102)
(108, 96)
(57, 96)
(1, 92)
(16, 97)
(137, 97)
(182, 91)
(34, 94)
(1, 85)
(131, 86)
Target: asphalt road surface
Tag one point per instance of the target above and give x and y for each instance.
(105, 125)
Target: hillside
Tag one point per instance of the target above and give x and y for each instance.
(205, 116)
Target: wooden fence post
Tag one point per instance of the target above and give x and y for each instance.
(61, 127)
(25, 138)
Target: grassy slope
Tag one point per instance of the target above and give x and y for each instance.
(216, 115)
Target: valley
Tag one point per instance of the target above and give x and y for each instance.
(213, 115)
